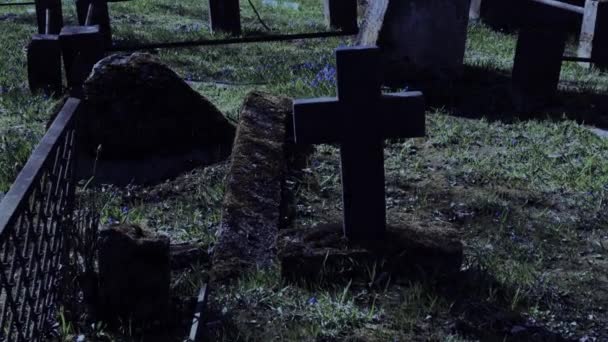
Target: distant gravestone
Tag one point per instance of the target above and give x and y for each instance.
(225, 16)
(341, 14)
(360, 119)
(420, 40)
(537, 67)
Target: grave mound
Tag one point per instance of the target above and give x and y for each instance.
(149, 123)
(407, 251)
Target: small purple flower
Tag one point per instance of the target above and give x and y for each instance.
(312, 301)
(124, 210)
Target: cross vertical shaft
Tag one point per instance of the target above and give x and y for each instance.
(361, 150)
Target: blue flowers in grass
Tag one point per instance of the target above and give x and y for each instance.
(320, 76)
(326, 75)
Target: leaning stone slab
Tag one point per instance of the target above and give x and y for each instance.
(139, 107)
(420, 39)
(252, 202)
(406, 251)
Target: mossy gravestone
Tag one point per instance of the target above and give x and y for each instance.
(251, 212)
(138, 109)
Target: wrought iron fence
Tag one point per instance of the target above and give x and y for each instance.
(37, 228)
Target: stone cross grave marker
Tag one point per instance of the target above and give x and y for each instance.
(359, 120)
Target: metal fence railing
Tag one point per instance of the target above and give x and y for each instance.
(36, 229)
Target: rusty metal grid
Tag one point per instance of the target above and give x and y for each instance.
(35, 232)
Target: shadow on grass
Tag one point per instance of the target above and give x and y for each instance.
(485, 309)
(487, 93)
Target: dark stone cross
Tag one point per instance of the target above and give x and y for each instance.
(360, 119)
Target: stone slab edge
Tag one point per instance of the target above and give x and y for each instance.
(249, 227)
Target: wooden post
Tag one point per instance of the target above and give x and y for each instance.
(600, 38)
(537, 66)
(341, 14)
(56, 16)
(585, 42)
(225, 16)
(101, 17)
(475, 10)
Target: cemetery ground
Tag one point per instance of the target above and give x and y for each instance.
(528, 195)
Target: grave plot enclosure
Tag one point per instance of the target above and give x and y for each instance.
(49, 246)
(39, 236)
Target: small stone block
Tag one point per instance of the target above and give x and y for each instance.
(134, 275)
(44, 64)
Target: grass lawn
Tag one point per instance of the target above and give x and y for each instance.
(529, 196)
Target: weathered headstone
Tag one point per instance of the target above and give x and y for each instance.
(421, 40)
(134, 275)
(341, 14)
(139, 107)
(225, 16)
(360, 119)
(537, 67)
(252, 202)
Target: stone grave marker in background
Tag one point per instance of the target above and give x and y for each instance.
(422, 41)
(341, 14)
(225, 16)
(360, 119)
